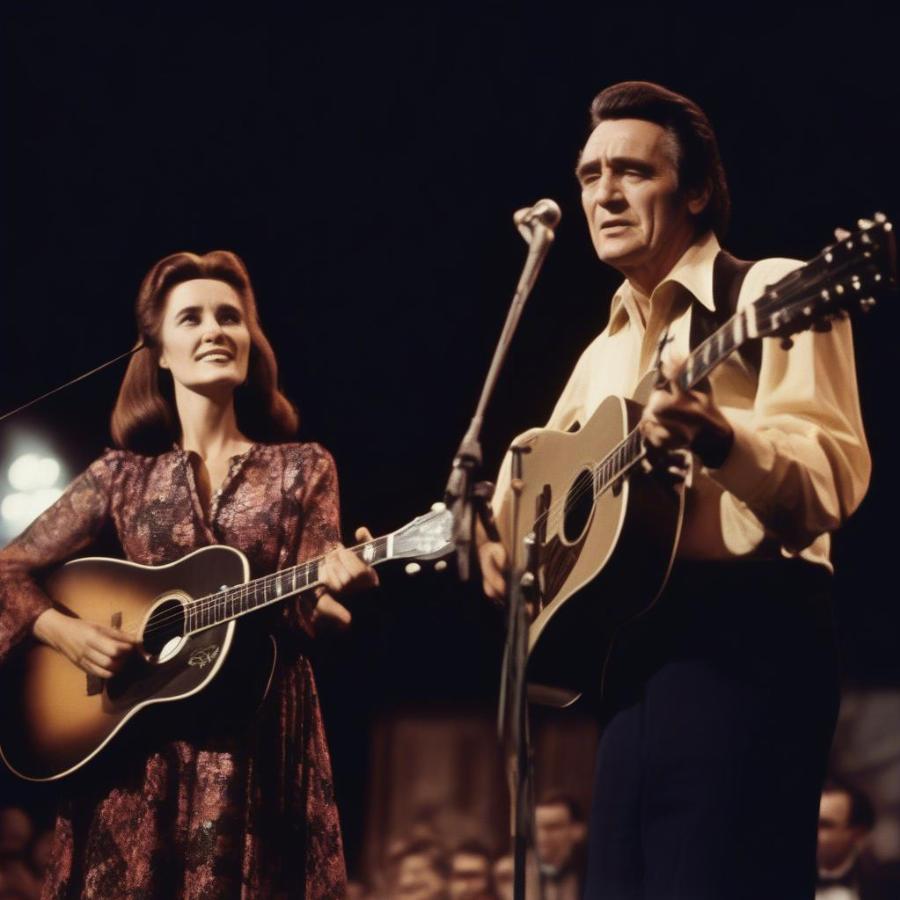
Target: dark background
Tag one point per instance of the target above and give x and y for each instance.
(366, 166)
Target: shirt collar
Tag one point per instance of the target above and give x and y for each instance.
(694, 272)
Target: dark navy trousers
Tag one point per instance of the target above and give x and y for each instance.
(716, 731)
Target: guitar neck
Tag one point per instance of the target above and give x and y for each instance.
(702, 360)
(231, 602)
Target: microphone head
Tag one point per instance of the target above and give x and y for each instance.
(545, 211)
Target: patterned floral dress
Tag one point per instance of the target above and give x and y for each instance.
(237, 812)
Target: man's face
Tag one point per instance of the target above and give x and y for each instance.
(470, 877)
(556, 835)
(838, 840)
(640, 221)
(417, 879)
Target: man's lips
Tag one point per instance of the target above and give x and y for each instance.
(615, 223)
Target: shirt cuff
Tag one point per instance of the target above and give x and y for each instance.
(748, 465)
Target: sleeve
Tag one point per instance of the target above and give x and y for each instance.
(800, 461)
(320, 523)
(56, 535)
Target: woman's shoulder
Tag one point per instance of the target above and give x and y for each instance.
(309, 453)
(117, 462)
(299, 464)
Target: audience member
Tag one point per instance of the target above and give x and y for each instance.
(846, 818)
(419, 872)
(470, 872)
(559, 844)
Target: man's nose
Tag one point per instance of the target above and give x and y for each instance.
(607, 192)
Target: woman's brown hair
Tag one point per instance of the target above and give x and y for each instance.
(144, 418)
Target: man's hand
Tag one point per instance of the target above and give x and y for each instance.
(675, 419)
(342, 572)
(493, 562)
(96, 649)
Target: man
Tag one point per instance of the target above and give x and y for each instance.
(470, 872)
(725, 696)
(420, 872)
(846, 818)
(559, 833)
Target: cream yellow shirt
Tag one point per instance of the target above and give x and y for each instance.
(799, 464)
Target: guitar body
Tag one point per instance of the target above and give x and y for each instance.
(599, 563)
(55, 717)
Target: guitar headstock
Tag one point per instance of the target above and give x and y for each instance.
(426, 537)
(850, 273)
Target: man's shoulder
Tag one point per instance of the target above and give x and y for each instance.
(763, 273)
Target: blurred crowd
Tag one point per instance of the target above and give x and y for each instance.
(24, 854)
(425, 865)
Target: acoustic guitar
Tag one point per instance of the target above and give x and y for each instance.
(54, 717)
(592, 516)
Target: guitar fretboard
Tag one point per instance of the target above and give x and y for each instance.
(702, 360)
(231, 602)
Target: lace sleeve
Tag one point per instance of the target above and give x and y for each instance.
(320, 528)
(57, 534)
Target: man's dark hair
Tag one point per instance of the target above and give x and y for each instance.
(431, 850)
(560, 798)
(699, 164)
(473, 848)
(862, 813)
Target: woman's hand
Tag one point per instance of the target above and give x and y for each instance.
(342, 572)
(96, 649)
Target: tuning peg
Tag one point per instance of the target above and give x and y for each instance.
(412, 568)
(865, 224)
(867, 303)
(440, 565)
(438, 507)
(786, 343)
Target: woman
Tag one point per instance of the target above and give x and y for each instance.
(236, 805)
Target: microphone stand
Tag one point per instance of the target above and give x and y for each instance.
(465, 501)
(460, 495)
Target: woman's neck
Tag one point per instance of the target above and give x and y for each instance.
(209, 424)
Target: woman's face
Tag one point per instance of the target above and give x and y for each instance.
(204, 338)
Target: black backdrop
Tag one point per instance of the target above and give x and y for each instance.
(366, 166)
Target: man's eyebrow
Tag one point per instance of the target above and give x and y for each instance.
(594, 166)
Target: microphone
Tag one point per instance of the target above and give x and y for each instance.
(545, 211)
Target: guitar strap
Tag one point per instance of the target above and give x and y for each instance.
(728, 277)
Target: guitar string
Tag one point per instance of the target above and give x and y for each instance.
(242, 590)
(765, 304)
(210, 601)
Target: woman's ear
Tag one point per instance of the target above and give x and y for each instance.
(162, 362)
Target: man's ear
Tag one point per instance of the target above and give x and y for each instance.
(697, 200)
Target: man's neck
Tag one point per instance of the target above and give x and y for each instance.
(644, 279)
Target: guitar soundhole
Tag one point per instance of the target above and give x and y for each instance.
(164, 631)
(579, 506)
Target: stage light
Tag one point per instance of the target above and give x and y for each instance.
(33, 477)
(31, 472)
